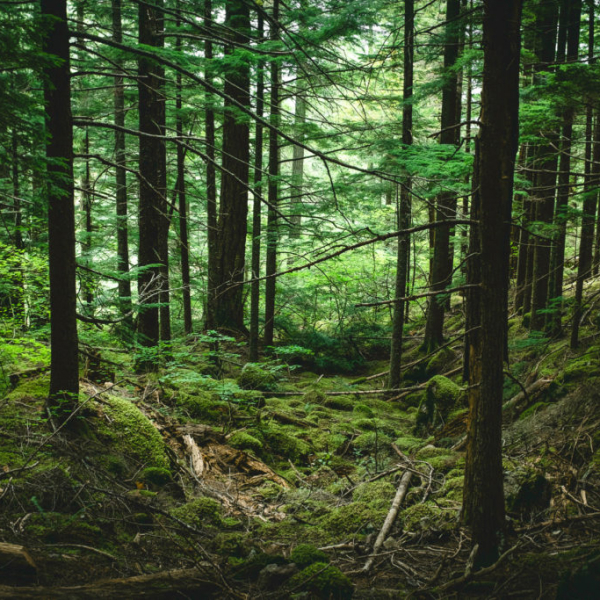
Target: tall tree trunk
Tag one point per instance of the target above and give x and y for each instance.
(233, 207)
(592, 171)
(86, 244)
(257, 204)
(18, 232)
(211, 178)
(545, 164)
(183, 209)
(446, 203)
(404, 209)
(64, 364)
(124, 285)
(152, 202)
(298, 159)
(272, 221)
(498, 141)
(572, 25)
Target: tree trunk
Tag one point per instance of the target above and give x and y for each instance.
(64, 364)
(233, 208)
(446, 204)
(272, 224)
(257, 205)
(183, 210)
(211, 178)
(592, 171)
(404, 209)
(124, 285)
(298, 160)
(498, 141)
(152, 202)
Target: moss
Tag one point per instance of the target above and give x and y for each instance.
(31, 389)
(285, 445)
(116, 465)
(306, 554)
(440, 361)
(527, 492)
(364, 411)
(156, 476)
(356, 517)
(232, 544)
(270, 490)
(314, 397)
(424, 518)
(339, 403)
(255, 377)
(134, 433)
(54, 527)
(199, 512)
(372, 441)
(377, 494)
(441, 396)
(409, 444)
(244, 441)
(202, 405)
(251, 567)
(323, 581)
(532, 410)
(453, 488)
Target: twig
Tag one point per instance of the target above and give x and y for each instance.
(90, 548)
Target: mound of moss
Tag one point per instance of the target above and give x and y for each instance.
(199, 512)
(323, 581)
(307, 554)
(441, 397)
(245, 441)
(255, 377)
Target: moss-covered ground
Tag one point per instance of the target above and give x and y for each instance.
(298, 471)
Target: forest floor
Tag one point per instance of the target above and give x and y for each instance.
(213, 480)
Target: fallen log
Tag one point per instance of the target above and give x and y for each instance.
(15, 562)
(158, 586)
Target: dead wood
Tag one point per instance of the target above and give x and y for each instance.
(391, 517)
(196, 460)
(290, 420)
(16, 562)
(524, 398)
(158, 586)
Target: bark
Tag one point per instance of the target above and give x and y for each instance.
(152, 165)
(183, 210)
(272, 220)
(404, 209)
(211, 178)
(257, 206)
(233, 208)
(298, 160)
(64, 364)
(446, 204)
(497, 147)
(592, 173)
(124, 285)
(545, 178)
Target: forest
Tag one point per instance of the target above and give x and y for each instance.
(300, 299)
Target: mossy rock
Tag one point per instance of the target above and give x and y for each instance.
(37, 388)
(439, 362)
(453, 488)
(364, 411)
(255, 377)
(156, 476)
(245, 441)
(307, 554)
(580, 368)
(527, 492)
(323, 581)
(377, 494)
(204, 406)
(441, 396)
(285, 445)
(251, 567)
(339, 403)
(133, 433)
(199, 512)
(372, 441)
(415, 399)
(427, 518)
(314, 397)
(353, 518)
(409, 444)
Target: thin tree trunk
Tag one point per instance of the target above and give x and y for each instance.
(257, 205)
(298, 161)
(211, 178)
(124, 285)
(404, 209)
(64, 364)
(498, 140)
(272, 221)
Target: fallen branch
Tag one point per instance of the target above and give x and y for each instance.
(197, 462)
(511, 405)
(389, 520)
(286, 419)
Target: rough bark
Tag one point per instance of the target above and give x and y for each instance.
(497, 147)
(257, 206)
(64, 364)
(233, 207)
(272, 214)
(152, 215)
(404, 209)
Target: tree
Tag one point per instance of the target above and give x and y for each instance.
(64, 366)
(483, 503)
